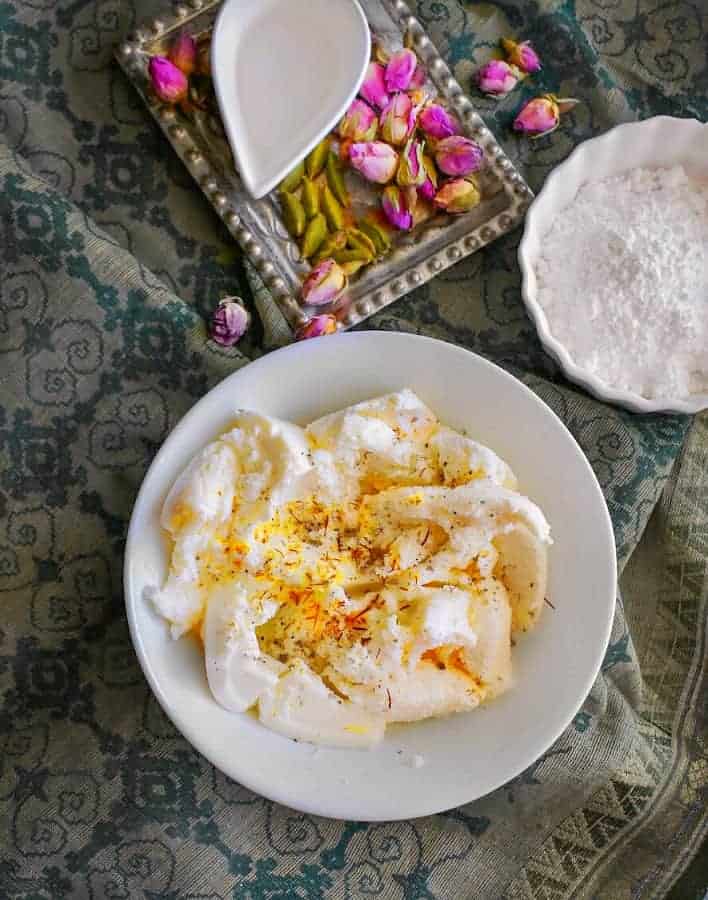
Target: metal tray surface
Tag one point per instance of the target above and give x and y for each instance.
(199, 140)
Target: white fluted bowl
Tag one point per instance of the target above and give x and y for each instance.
(659, 142)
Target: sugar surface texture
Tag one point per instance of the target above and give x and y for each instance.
(623, 280)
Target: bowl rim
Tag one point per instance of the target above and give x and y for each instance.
(592, 383)
(181, 719)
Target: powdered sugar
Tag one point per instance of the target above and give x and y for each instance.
(623, 280)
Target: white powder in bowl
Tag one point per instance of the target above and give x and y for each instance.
(623, 280)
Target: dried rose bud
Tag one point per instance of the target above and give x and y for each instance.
(396, 205)
(429, 187)
(497, 78)
(437, 122)
(183, 53)
(457, 196)
(373, 87)
(374, 160)
(316, 327)
(542, 114)
(229, 322)
(398, 119)
(523, 55)
(458, 155)
(360, 123)
(419, 78)
(411, 169)
(399, 71)
(324, 284)
(169, 83)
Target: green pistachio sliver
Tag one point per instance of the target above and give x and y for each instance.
(291, 181)
(293, 214)
(346, 256)
(310, 197)
(317, 158)
(356, 239)
(335, 180)
(352, 267)
(336, 241)
(377, 235)
(332, 210)
(314, 236)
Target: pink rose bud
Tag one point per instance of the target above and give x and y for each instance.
(497, 78)
(411, 169)
(373, 87)
(359, 123)
(316, 327)
(229, 322)
(542, 114)
(183, 53)
(419, 78)
(169, 83)
(523, 56)
(397, 119)
(323, 284)
(396, 206)
(458, 155)
(457, 196)
(374, 160)
(429, 187)
(399, 71)
(437, 122)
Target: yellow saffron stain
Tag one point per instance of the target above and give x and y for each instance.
(182, 515)
(356, 729)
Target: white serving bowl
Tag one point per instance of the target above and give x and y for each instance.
(655, 143)
(466, 755)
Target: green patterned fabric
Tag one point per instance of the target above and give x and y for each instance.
(110, 259)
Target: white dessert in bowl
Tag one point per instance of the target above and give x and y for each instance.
(370, 568)
(465, 755)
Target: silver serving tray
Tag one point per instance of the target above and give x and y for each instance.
(199, 141)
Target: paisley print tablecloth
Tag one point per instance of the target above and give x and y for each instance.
(109, 261)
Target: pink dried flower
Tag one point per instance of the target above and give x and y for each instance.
(457, 196)
(411, 169)
(229, 322)
(317, 326)
(458, 155)
(418, 79)
(324, 283)
(497, 78)
(396, 206)
(523, 55)
(399, 71)
(428, 188)
(374, 160)
(398, 119)
(373, 87)
(360, 123)
(542, 114)
(169, 82)
(437, 122)
(183, 53)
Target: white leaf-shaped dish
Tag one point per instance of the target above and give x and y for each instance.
(659, 142)
(284, 74)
